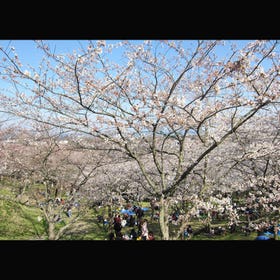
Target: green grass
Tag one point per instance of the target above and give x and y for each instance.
(18, 222)
(5, 190)
(228, 236)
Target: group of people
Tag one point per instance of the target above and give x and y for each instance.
(188, 232)
(139, 228)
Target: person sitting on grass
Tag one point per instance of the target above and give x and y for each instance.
(111, 236)
(261, 236)
(133, 234)
(151, 235)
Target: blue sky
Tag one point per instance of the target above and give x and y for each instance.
(28, 53)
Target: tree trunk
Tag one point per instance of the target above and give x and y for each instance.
(51, 231)
(163, 219)
(21, 196)
(208, 222)
(276, 228)
(152, 204)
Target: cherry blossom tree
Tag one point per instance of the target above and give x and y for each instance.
(54, 174)
(156, 103)
(256, 165)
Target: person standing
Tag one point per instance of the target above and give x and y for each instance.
(144, 229)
